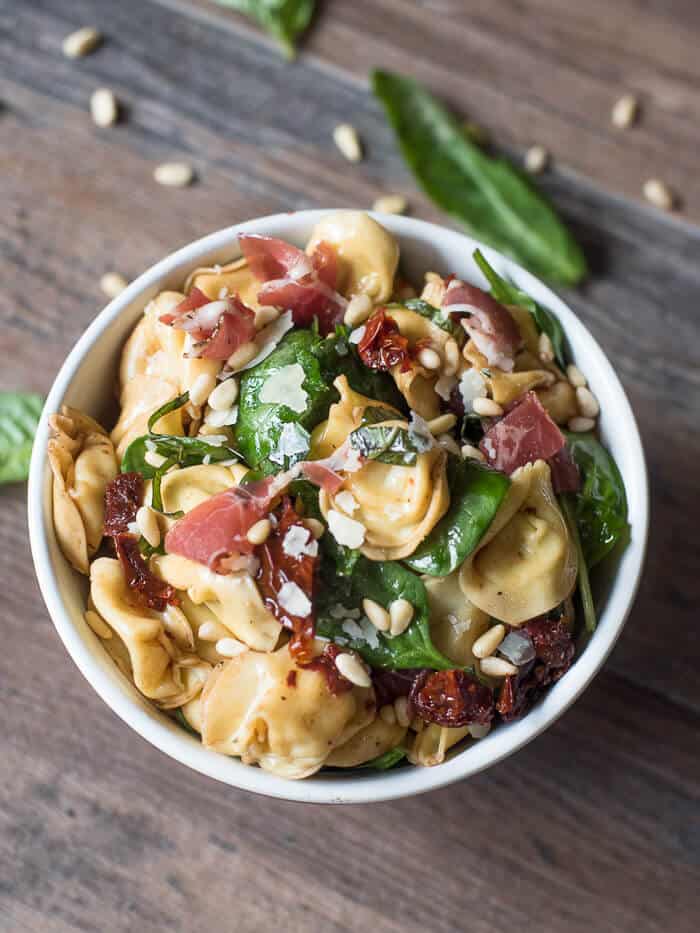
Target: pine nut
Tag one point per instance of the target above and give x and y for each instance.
(358, 310)
(230, 647)
(212, 631)
(242, 356)
(260, 531)
(469, 452)
(451, 350)
(536, 159)
(265, 315)
(204, 384)
(174, 174)
(401, 614)
(487, 407)
(658, 194)
(377, 615)
(98, 625)
(581, 425)
(346, 139)
(81, 42)
(316, 527)
(147, 522)
(154, 459)
(429, 358)
(103, 107)
(587, 402)
(487, 643)
(497, 667)
(390, 204)
(575, 376)
(388, 714)
(401, 709)
(624, 112)
(224, 395)
(220, 419)
(449, 443)
(546, 350)
(353, 669)
(112, 284)
(442, 423)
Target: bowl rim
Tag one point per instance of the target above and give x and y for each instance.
(170, 738)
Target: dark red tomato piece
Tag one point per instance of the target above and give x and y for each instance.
(452, 699)
(148, 588)
(123, 497)
(382, 345)
(325, 663)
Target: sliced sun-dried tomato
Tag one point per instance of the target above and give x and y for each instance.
(123, 496)
(389, 685)
(277, 568)
(325, 663)
(452, 699)
(554, 649)
(148, 588)
(382, 345)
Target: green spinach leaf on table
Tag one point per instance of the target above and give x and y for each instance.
(382, 582)
(476, 494)
(509, 294)
(19, 417)
(285, 20)
(487, 195)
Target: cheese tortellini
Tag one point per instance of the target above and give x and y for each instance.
(455, 622)
(250, 709)
(83, 462)
(527, 564)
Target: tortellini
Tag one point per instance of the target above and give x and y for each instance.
(432, 743)
(233, 599)
(526, 564)
(374, 740)
(250, 708)
(184, 489)
(235, 278)
(368, 255)
(398, 506)
(83, 462)
(455, 623)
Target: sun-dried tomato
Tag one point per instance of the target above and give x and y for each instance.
(452, 699)
(554, 648)
(389, 685)
(123, 496)
(148, 588)
(325, 663)
(278, 568)
(382, 345)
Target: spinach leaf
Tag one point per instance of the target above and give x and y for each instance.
(179, 717)
(509, 294)
(489, 196)
(375, 414)
(388, 760)
(383, 582)
(431, 312)
(285, 20)
(568, 506)
(475, 496)
(260, 426)
(19, 417)
(387, 444)
(601, 503)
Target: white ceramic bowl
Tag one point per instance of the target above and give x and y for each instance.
(86, 381)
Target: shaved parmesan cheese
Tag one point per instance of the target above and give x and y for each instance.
(346, 530)
(268, 338)
(293, 444)
(297, 544)
(420, 434)
(285, 388)
(294, 600)
(357, 335)
(362, 631)
(347, 502)
(444, 386)
(472, 385)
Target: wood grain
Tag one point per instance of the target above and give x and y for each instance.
(593, 826)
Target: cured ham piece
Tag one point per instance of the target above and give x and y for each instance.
(525, 434)
(565, 473)
(488, 323)
(218, 327)
(304, 285)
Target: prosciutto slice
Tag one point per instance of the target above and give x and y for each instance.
(488, 323)
(218, 327)
(304, 285)
(565, 473)
(525, 434)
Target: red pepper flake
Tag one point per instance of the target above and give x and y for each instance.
(382, 345)
(123, 496)
(292, 679)
(148, 588)
(325, 663)
(278, 568)
(452, 699)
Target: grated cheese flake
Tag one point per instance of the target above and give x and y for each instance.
(298, 542)
(294, 600)
(346, 530)
(285, 387)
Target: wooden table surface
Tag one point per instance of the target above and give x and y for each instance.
(594, 826)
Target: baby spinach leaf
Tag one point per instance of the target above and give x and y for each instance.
(568, 506)
(509, 294)
(375, 414)
(387, 444)
(431, 313)
(489, 196)
(383, 582)
(285, 20)
(475, 496)
(601, 503)
(19, 417)
(179, 717)
(388, 760)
